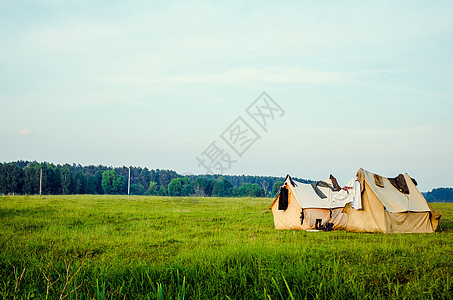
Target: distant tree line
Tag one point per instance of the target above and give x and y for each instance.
(23, 177)
(439, 195)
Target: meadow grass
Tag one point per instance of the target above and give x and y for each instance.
(115, 247)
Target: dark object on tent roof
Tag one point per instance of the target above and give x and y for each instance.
(317, 190)
(378, 180)
(290, 180)
(399, 182)
(326, 185)
(335, 184)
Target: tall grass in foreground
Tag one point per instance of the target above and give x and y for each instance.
(112, 247)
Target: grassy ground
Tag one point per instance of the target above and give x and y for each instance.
(114, 247)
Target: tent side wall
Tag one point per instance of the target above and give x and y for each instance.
(339, 219)
(289, 218)
(434, 217)
(371, 218)
(409, 222)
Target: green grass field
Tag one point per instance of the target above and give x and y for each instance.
(115, 247)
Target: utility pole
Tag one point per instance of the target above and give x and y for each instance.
(40, 182)
(129, 183)
(62, 188)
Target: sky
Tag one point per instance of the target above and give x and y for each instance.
(170, 84)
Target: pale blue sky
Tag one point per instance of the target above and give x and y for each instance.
(152, 84)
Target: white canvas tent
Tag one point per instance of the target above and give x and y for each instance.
(309, 206)
(390, 205)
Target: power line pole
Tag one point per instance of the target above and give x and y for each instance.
(129, 183)
(40, 182)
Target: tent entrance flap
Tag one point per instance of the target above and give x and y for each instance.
(283, 199)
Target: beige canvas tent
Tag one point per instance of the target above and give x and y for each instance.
(390, 205)
(310, 206)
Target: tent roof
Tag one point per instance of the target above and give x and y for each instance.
(392, 199)
(307, 197)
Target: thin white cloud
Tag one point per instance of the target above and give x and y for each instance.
(238, 76)
(25, 132)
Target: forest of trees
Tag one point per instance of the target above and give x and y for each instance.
(23, 177)
(439, 195)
